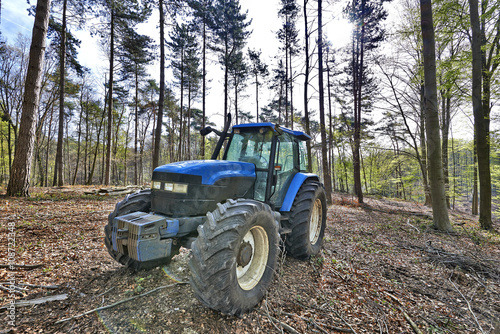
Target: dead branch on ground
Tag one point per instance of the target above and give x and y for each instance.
(119, 302)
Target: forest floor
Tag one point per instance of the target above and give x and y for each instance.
(383, 269)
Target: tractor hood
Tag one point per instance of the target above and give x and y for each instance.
(193, 188)
(208, 171)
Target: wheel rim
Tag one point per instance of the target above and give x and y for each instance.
(315, 221)
(250, 268)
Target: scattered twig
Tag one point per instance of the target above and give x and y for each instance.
(271, 319)
(318, 323)
(39, 286)
(22, 266)
(105, 292)
(399, 212)
(284, 325)
(468, 305)
(12, 286)
(119, 302)
(336, 313)
(408, 223)
(11, 290)
(412, 324)
(21, 303)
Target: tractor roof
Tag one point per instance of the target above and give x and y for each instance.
(299, 134)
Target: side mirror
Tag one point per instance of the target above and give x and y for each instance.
(207, 130)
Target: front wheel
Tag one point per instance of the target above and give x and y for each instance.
(307, 221)
(234, 256)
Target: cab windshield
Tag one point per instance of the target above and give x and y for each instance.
(251, 146)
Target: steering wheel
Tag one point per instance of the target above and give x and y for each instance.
(262, 162)
(258, 161)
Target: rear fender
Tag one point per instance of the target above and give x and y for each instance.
(293, 189)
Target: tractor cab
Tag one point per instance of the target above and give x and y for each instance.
(277, 153)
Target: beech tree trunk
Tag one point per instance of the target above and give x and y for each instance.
(480, 106)
(436, 177)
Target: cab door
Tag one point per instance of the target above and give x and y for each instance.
(285, 168)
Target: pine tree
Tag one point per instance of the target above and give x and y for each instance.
(229, 34)
(120, 16)
(19, 181)
(258, 69)
(134, 54)
(366, 16)
(238, 76)
(201, 12)
(67, 42)
(185, 63)
(288, 35)
(327, 179)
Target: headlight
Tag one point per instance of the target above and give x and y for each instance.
(180, 188)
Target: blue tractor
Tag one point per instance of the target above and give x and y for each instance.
(232, 214)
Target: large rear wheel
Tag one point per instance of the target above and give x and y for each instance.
(307, 221)
(138, 201)
(234, 256)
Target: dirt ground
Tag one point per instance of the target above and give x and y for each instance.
(383, 269)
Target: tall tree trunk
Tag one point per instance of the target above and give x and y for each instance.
(475, 185)
(257, 96)
(423, 146)
(125, 172)
(330, 119)
(68, 157)
(181, 113)
(49, 139)
(291, 89)
(204, 79)
(161, 100)
(226, 79)
(358, 69)
(446, 121)
(58, 174)
(86, 146)
(110, 99)
(439, 207)
(236, 99)
(286, 75)
(19, 181)
(96, 151)
(189, 123)
(480, 106)
(136, 131)
(306, 87)
(324, 149)
(79, 139)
